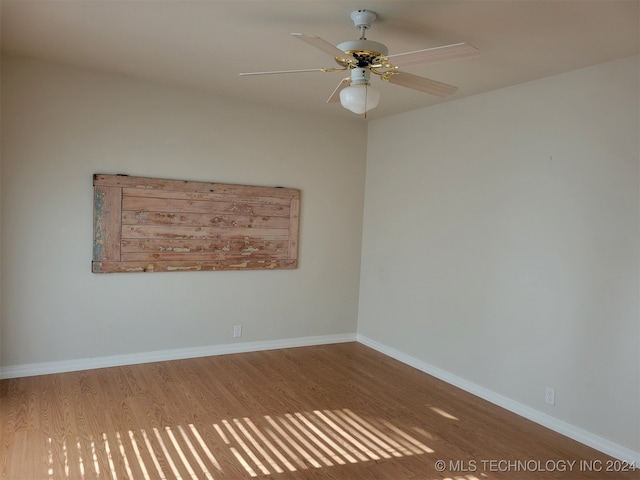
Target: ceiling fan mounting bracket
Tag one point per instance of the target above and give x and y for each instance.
(363, 19)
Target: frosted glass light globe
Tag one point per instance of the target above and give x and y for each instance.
(359, 98)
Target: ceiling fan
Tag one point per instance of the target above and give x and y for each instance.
(363, 57)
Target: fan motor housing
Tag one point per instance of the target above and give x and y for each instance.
(365, 51)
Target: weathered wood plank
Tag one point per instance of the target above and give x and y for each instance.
(275, 245)
(202, 206)
(178, 266)
(107, 205)
(133, 217)
(217, 197)
(197, 256)
(294, 213)
(183, 232)
(192, 186)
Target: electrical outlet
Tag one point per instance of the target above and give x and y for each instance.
(237, 331)
(550, 395)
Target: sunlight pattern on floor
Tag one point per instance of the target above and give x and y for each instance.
(265, 446)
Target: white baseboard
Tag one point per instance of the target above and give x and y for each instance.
(587, 438)
(31, 369)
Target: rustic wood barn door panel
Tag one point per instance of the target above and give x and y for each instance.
(150, 225)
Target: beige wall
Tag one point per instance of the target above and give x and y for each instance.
(61, 125)
(500, 231)
(500, 243)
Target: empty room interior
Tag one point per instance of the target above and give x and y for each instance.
(443, 285)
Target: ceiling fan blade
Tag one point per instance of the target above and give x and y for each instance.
(326, 47)
(335, 96)
(456, 51)
(287, 71)
(422, 84)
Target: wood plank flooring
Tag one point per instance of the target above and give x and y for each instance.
(339, 411)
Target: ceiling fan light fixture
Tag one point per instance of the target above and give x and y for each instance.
(359, 98)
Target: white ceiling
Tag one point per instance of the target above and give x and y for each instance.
(205, 44)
